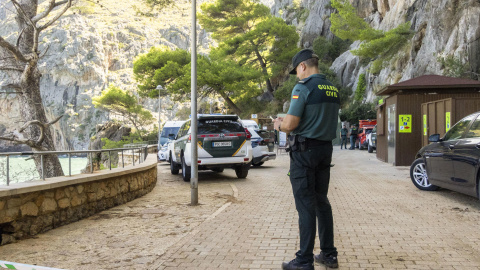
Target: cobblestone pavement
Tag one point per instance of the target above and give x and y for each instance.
(381, 222)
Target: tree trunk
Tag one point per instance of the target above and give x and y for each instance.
(264, 68)
(230, 103)
(32, 109)
(32, 106)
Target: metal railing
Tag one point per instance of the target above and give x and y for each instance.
(141, 151)
(137, 144)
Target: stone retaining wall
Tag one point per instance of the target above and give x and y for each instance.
(27, 209)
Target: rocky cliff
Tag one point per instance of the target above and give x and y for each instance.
(89, 48)
(442, 28)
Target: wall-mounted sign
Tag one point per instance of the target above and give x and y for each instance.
(254, 116)
(405, 122)
(425, 125)
(380, 101)
(447, 122)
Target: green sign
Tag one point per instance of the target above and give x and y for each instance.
(405, 123)
(447, 122)
(424, 125)
(380, 102)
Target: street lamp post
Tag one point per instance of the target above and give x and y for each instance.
(159, 87)
(194, 162)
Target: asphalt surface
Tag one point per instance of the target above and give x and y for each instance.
(381, 222)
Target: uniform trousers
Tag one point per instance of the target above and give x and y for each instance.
(343, 142)
(353, 141)
(310, 177)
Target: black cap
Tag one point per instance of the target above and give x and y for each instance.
(301, 56)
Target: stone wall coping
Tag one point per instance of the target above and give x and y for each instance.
(62, 181)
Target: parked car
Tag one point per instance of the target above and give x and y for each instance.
(365, 127)
(263, 147)
(223, 142)
(169, 131)
(451, 162)
(372, 140)
(168, 149)
(250, 124)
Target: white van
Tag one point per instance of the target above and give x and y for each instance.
(169, 131)
(250, 124)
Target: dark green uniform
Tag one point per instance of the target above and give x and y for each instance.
(316, 101)
(353, 137)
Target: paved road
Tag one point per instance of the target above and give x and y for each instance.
(381, 222)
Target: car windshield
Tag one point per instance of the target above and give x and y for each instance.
(212, 126)
(458, 130)
(167, 131)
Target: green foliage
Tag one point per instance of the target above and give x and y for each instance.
(376, 66)
(329, 50)
(109, 144)
(249, 34)
(215, 75)
(84, 7)
(346, 24)
(153, 5)
(453, 66)
(387, 45)
(358, 111)
(115, 100)
(377, 44)
(361, 88)
(160, 66)
(284, 91)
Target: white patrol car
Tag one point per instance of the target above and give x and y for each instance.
(223, 142)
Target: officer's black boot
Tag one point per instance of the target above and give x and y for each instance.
(330, 261)
(294, 265)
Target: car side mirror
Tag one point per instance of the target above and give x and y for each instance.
(434, 138)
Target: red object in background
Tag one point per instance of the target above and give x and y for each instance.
(364, 128)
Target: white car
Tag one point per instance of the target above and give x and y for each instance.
(251, 124)
(168, 133)
(263, 147)
(164, 151)
(223, 142)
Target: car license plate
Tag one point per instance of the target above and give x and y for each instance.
(222, 144)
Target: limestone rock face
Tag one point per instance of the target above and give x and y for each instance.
(442, 28)
(85, 52)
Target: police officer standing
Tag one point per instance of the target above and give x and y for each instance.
(312, 122)
(343, 136)
(353, 136)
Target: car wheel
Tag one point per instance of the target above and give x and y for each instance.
(185, 171)
(242, 170)
(257, 164)
(418, 174)
(173, 167)
(218, 169)
(370, 148)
